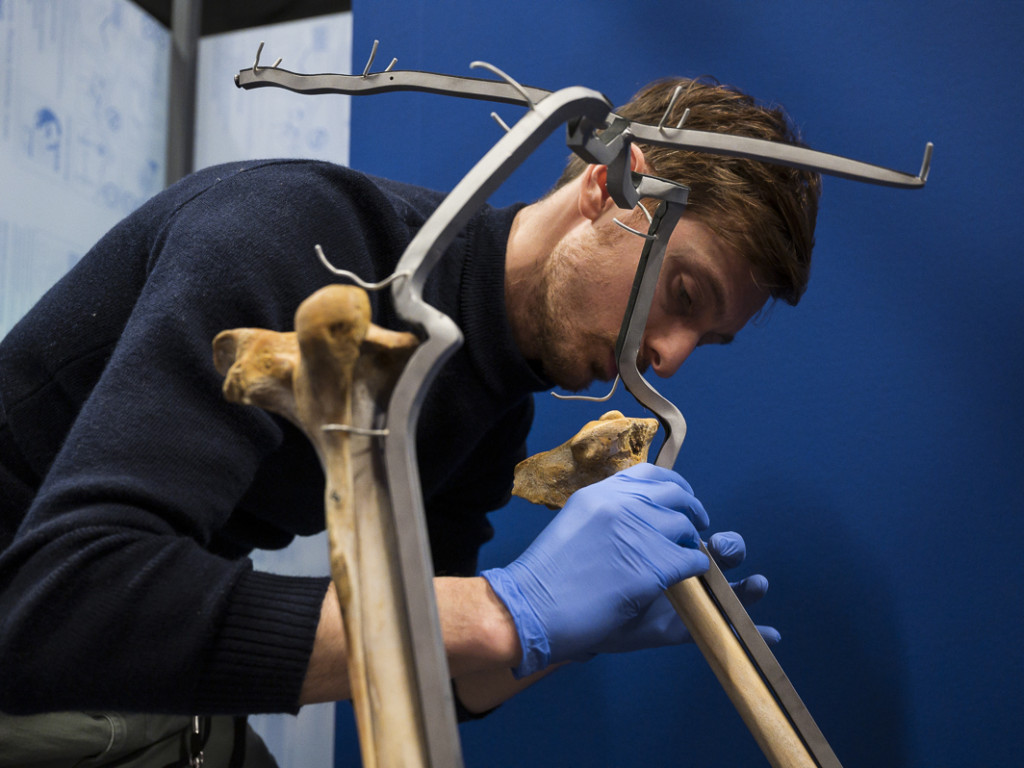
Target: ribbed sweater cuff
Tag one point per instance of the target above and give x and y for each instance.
(261, 654)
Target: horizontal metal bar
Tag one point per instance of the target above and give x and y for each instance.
(507, 93)
(395, 80)
(777, 152)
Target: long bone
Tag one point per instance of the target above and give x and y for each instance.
(332, 378)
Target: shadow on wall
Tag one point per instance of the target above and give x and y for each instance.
(832, 598)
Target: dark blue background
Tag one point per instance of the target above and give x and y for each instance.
(868, 442)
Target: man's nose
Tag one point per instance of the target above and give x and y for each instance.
(666, 352)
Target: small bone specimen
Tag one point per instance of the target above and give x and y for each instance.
(338, 368)
(600, 449)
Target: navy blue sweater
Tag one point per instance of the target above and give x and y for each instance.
(131, 491)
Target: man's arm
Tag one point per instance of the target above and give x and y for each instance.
(589, 576)
(478, 631)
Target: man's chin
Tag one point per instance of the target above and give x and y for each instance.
(573, 372)
(569, 381)
(577, 382)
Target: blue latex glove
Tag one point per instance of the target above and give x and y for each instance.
(660, 625)
(608, 554)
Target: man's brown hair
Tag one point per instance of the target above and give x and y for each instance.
(766, 211)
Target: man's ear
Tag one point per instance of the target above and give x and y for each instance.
(594, 198)
(637, 161)
(593, 193)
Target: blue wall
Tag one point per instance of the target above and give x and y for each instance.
(866, 443)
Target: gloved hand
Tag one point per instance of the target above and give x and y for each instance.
(608, 554)
(660, 625)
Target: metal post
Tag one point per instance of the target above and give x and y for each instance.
(181, 113)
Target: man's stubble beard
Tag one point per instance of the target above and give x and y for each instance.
(563, 336)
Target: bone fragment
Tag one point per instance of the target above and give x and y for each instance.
(600, 449)
(338, 368)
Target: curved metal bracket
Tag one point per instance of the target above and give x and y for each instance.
(634, 322)
(441, 337)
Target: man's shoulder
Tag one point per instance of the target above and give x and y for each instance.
(291, 184)
(292, 170)
(269, 179)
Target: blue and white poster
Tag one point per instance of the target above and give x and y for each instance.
(233, 124)
(83, 122)
(83, 113)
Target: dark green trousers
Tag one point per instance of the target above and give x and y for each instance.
(116, 740)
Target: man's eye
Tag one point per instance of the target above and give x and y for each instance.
(683, 300)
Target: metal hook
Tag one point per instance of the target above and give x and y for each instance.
(589, 398)
(373, 55)
(686, 114)
(926, 164)
(256, 64)
(354, 277)
(500, 122)
(650, 222)
(668, 109)
(505, 77)
(355, 430)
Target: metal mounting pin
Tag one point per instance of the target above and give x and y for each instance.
(591, 398)
(650, 221)
(373, 55)
(366, 286)
(364, 431)
(500, 122)
(926, 164)
(505, 77)
(256, 64)
(668, 109)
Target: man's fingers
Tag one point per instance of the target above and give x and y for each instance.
(665, 488)
(727, 548)
(750, 589)
(770, 634)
